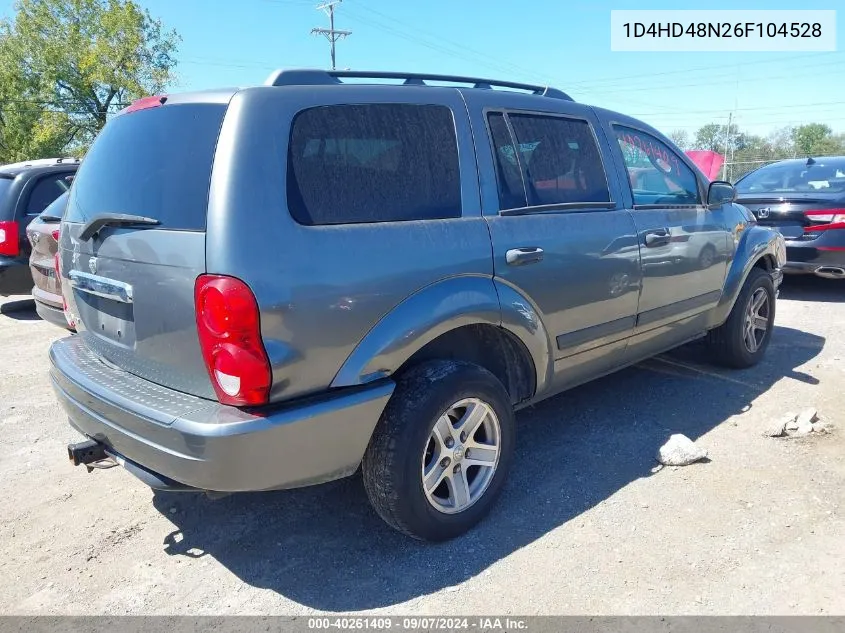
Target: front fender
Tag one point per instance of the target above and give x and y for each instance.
(435, 310)
(753, 242)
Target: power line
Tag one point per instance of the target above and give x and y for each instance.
(331, 33)
(590, 82)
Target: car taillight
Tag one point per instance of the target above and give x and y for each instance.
(58, 268)
(229, 330)
(56, 235)
(9, 239)
(827, 218)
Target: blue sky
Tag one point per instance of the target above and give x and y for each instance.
(564, 43)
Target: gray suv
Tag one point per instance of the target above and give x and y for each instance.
(275, 286)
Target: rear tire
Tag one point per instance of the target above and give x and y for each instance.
(441, 451)
(741, 342)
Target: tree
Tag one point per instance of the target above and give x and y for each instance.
(711, 137)
(680, 138)
(717, 138)
(815, 139)
(67, 65)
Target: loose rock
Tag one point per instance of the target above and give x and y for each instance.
(804, 429)
(821, 427)
(807, 417)
(778, 429)
(680, 451)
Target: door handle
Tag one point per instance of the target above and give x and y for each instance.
(657, 237)
(524, 255)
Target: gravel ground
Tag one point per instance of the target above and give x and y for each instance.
(586, 525)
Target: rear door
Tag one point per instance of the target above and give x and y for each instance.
(560, 232)
(684, 244)
(130, 289)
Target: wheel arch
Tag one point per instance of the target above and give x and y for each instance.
(757, 247)
(470, 318)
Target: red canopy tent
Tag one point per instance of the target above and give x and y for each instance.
(708, 162)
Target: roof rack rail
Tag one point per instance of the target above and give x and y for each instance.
(308, 77)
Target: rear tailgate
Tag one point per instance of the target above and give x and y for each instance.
(131, 288)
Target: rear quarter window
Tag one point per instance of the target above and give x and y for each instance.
(154, 163)
(5, 185)
(350, 164)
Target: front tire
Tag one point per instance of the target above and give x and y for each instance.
(742, 340)
(442, 450)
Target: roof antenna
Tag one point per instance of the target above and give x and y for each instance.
(810, 160)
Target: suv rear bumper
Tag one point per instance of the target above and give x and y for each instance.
(208, 446)
(49, 307)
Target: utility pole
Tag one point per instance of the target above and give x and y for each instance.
(727, 146)
(331, 34)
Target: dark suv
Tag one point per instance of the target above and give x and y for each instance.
(26, 189)
(275, 285)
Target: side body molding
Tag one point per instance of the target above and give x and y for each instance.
(435, 310)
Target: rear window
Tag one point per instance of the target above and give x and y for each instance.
(55, 209)
(351, 164)
(5, 185)
(818, 177)
(155, 163)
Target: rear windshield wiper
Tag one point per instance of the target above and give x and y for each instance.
(96, 223)
(50, 218)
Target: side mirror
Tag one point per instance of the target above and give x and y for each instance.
(720, 192)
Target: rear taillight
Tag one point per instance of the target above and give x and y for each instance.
(58, 268)
(55, 235)
(9, 239)
(826, 218)
(229, 330)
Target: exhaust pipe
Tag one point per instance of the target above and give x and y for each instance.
(831, 272)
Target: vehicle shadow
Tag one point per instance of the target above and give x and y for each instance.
(325, 548)
(810, 288)
(20, 310)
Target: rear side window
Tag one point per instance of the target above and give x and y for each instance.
(560, 159)
(5, 185)
(351, 164)
(657, 175)
(154, 163)
(46, 190)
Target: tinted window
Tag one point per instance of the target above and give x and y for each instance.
(46, 190)
(511, 189)
(561, 160)
(373, 163)
(155, 163)
(5, 185)
(823, 176)
(55, 209)
(657, 175)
